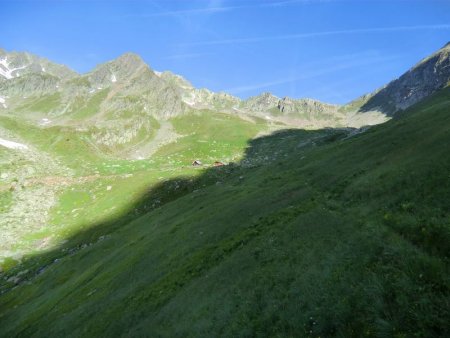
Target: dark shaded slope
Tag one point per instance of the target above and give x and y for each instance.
(314, 233)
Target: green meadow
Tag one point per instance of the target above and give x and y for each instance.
(332, 232)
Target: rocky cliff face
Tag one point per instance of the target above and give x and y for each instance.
(294, 109)
(263, 103)
(427, 77)
(307, 108)
(202, 98)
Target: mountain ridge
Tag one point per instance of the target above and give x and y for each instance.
(102, 74)
(429, 75)
(123, 101)
(202, 96)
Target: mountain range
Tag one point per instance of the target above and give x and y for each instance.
(122, 99)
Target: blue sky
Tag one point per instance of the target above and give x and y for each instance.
(330, 50)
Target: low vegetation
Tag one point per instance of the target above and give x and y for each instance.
(333, 232)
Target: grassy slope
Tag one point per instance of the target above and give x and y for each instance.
(92, 106)
(71, 147)
(43, 104)
(210, 137)
(87, 200)
(345, 237)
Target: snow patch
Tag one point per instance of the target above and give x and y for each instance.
(113, 78)
(158, 74)
(92, 91)
(43, 69)
(190, 103)
(191, 99)
(6, 71)
(2, 101)
(44, 122)
(12, 145)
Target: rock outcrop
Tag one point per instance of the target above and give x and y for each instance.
(425, 78)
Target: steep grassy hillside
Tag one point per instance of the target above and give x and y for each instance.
(312, 233)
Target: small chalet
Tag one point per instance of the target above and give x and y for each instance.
(196, 163)
(218, 164)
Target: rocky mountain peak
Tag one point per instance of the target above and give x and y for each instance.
(16, 64)
(262, 102)
(425, 78)
(175, 79)
(130, 60)
(125, 67)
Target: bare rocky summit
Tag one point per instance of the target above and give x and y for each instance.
(425, 78)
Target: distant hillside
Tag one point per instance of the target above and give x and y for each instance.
(124, 97)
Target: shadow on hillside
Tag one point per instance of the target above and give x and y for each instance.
(379, 102)
(261, 152)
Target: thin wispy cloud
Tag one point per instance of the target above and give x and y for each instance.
(186, 56)
(319, 34)
(206, 10)
(221, 8)
(352, 62)
(294, 2)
